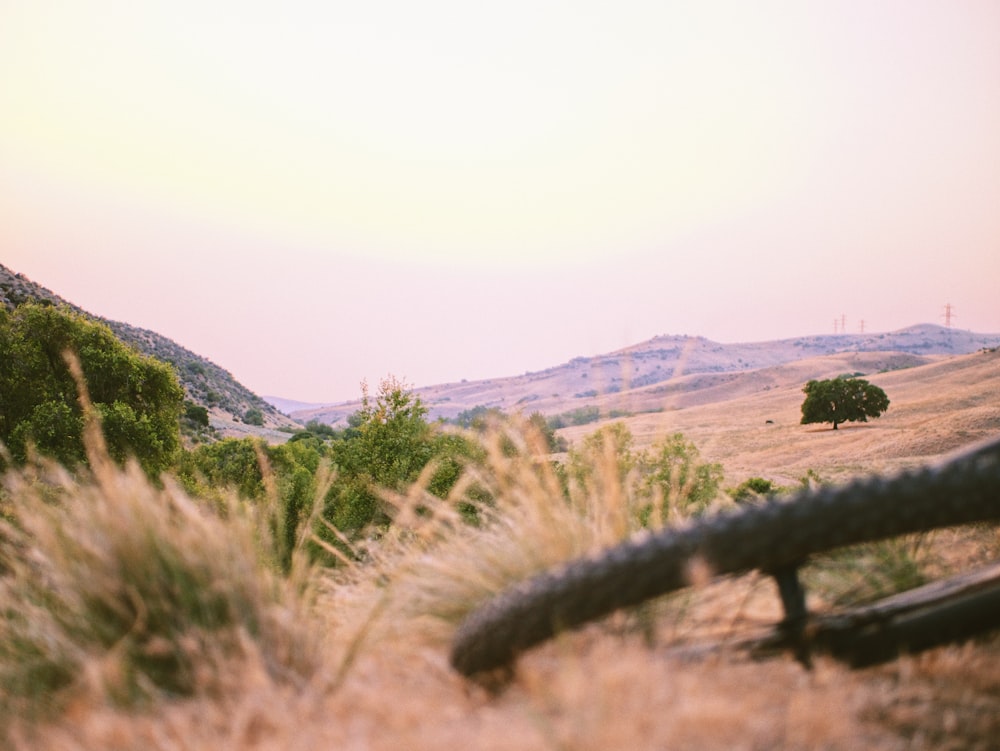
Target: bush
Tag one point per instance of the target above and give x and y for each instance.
(386, 447)
(321, 429)
(281, 479)
(478, 417)
(752, 488)
(670, 479)
(196, 415)
(138, 396)
(253, 416)
(579, 416)
(674, 471)
(553, 443)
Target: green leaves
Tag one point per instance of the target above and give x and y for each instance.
(675, 468)
(842, 399)
(668, 478)
(138, 397)
(387, 446)
(54, 428)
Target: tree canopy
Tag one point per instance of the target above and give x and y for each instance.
(842, 399)
(387, 445)
(137, 398)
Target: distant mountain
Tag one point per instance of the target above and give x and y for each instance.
(204, 382)
(644, 376)
(288, 406)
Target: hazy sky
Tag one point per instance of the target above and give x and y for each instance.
(314, 193)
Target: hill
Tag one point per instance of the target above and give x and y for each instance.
(667, 371)
(204, 382)
(290, 406)
(750, 421)
(669, 676)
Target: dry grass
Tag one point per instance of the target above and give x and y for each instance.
(934, 409)
(117, 591)
(357, 658)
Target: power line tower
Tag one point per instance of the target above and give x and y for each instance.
(949, 313)
(861, 325)
(843, 324)
(836, 324)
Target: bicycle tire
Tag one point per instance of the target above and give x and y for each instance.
(770, 537)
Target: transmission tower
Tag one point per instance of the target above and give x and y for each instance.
(843, 324)
(949, 313)
(861, 325)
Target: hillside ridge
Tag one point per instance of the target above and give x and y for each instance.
(205, 383)
(644, 376)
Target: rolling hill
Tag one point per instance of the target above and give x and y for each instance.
(665, 383)
(668, 372)
(204, 382)
(751, 425)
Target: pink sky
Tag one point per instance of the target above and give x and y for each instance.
(312, 194)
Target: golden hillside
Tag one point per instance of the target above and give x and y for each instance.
(666, 371)
(935, 407)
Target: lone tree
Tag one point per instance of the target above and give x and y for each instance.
(842, 399)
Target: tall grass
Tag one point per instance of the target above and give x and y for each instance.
(121, 596)
(113, 588)
(127, 591)
(121, 590)
(865, 573)
(433, 567)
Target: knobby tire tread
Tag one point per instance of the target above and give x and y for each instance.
(769, 537)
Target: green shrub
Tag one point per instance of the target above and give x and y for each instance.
(253, 416)
(281, 479)
(751, 489)
(673, 471)
(669, 478)
(386, 447)
(138, 397)
(196, 415)
(579, 416)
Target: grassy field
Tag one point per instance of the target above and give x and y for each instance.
(935, 408)
(136, 619)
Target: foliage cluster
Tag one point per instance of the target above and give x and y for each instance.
(477, 417)
(670, 477)
(842, 399)
(282, 479)
(137, 398)
(578, 416)
(483, 419)
(386, 447)
(751, 489)
(253, 416)
(203, 381)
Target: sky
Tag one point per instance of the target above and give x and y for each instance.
(312, 194)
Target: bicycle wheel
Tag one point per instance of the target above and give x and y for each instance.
(772, 537)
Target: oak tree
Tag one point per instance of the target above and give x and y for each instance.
(842, 399)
